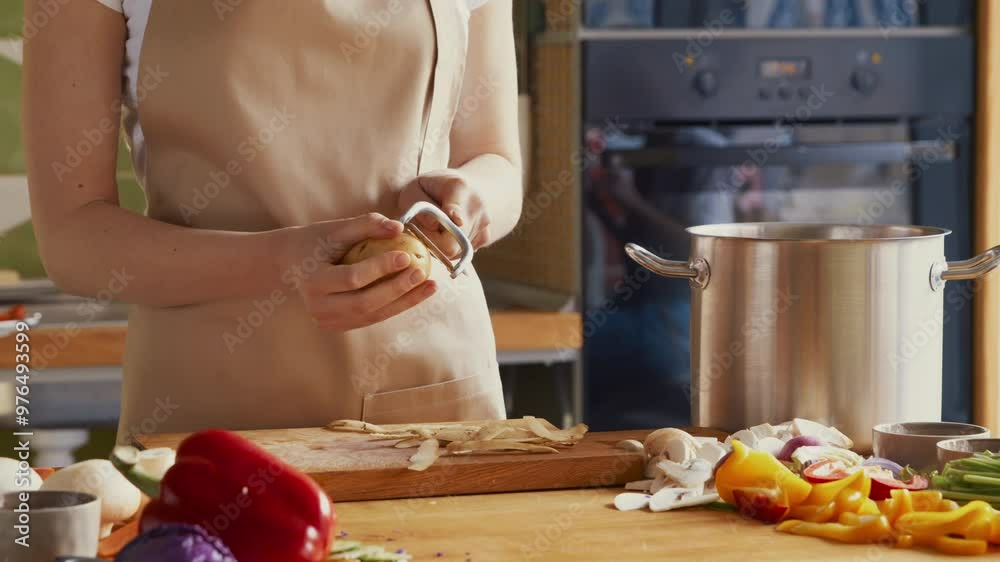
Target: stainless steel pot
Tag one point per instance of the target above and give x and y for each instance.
(837, 323)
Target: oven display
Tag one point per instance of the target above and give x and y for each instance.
(784, 68)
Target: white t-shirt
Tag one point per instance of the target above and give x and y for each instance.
(136, 14)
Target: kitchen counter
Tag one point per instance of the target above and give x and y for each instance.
(521, 336)
(581, 525)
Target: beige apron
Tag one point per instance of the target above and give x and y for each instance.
(275, 114)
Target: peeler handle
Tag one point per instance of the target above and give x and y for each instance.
(419, 207)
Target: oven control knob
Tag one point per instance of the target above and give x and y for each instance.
(706, 83)
(864, 80)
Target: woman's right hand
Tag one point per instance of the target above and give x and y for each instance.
(345, 297)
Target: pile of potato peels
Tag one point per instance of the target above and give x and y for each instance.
(528, 434)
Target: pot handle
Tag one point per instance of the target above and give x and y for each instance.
(696, 270)
(966, 269)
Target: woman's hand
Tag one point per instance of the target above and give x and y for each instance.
(449, 190)
(345, 297)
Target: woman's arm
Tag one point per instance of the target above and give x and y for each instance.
(485, 145)
(72, 84)
(72, 76)
(481, 188)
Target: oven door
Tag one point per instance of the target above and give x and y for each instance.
(649, 187)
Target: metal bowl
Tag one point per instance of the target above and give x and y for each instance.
(954, 449)
(915, 443)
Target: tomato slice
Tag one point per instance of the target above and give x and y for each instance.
(883, 485)
(826, 471)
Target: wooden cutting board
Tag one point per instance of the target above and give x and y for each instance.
(351, 466)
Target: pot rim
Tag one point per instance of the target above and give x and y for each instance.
(806, 232)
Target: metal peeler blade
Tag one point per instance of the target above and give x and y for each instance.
(454, 267)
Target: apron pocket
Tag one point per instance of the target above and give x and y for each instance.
(478, 397)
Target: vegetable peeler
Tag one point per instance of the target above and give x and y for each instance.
(456, 267)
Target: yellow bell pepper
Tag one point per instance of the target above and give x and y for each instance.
(828, 500)
(747, 468)
(867, 529)
(944, 523)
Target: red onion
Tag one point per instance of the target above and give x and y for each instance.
(796, 442)
(887, 464)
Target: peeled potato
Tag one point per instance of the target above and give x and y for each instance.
(420, 257)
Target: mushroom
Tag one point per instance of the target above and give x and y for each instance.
(692, 474)
(712, 452)
(673, 498)
(15, 478)
(771, 445)
(119, 498)
(678, 445)
(629, 501)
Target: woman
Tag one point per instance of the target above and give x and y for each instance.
(270, 137)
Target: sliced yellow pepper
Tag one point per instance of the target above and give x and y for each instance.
(828, 491)
(869, 529)
(954, 545)
(869, 507)
(747, 468)
(943, 523)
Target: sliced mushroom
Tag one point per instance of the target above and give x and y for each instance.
(674, 498)
(629, 501)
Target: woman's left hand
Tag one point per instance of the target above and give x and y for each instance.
(449, 190)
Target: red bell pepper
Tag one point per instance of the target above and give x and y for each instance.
(263, 509)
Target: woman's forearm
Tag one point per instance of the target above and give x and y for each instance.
(498, 182)
(101, 247)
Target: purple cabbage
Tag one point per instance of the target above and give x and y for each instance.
(176, 543)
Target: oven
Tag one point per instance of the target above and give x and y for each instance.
(865, 121)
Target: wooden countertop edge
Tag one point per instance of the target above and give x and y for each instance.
(104, 345)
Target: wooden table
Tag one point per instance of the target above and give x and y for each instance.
(581, 525)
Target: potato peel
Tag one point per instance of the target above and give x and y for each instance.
(497, 445)
(426, 454)
(433, 440)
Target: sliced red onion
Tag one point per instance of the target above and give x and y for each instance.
(887, 464)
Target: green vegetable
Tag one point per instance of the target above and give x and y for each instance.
(972, 478)
(355, 550)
